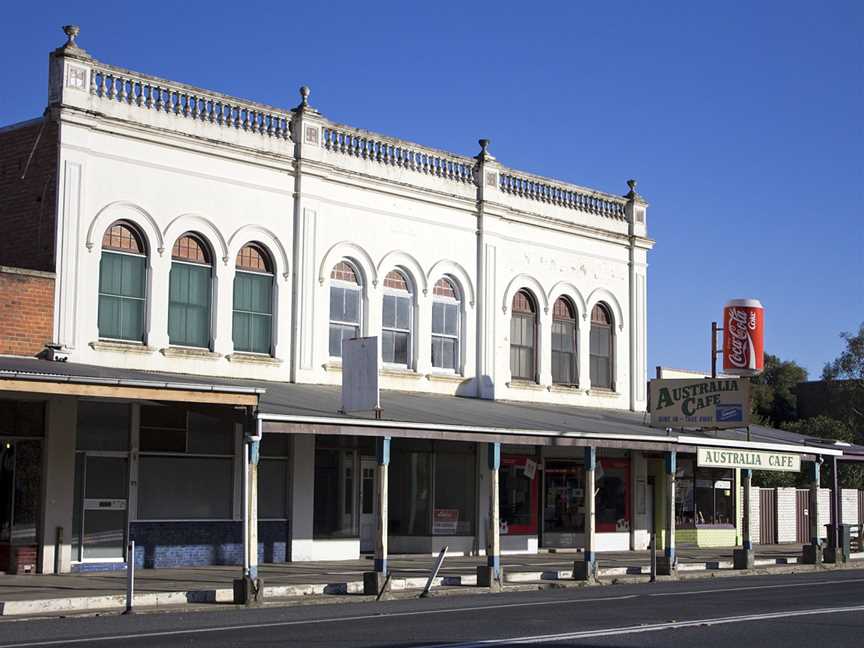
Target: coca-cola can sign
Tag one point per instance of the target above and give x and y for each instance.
(743, 337)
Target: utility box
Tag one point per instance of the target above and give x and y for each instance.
(838, 552)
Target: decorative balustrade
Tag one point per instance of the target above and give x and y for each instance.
(151, 93)
(562, 195)
(396, 153)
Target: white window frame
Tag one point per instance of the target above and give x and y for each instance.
(338, 283)
(409, 295)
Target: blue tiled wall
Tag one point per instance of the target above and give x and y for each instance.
(195, 544)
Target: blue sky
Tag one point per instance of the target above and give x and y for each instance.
(742, 121)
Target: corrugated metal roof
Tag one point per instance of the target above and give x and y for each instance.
(289, 401)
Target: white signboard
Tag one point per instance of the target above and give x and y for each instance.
(755, 460)
(360, 375)
(699, 403)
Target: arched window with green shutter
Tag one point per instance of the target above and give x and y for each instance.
(122, 284)
(190, 293)
(253, 300)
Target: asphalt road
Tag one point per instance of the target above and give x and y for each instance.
(785, 610)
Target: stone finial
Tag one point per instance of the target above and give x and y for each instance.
(632, 193)
(71, 32)
(484, 153)
(304, 96)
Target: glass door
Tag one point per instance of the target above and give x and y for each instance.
(101, 507)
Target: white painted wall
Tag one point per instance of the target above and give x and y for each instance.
(312, 206)
(849, 506)
(786, 511)
(58, 479)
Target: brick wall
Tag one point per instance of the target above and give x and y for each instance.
(26, 310)
(28, 181)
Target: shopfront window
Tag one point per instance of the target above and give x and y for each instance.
(273, 472)
(410, 491)
(564, 510)
(518, 479)
(704, 496)
(613, 503)
(454, 489)
(186, 465)
(335, 509)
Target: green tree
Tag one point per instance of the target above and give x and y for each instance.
(824, 427)
(773, 391)
(846, 373)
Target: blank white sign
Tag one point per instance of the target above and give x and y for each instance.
(360, 374)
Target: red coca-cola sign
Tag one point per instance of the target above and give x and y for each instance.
(743, 337)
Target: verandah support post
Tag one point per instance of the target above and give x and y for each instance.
(586, 569)
(666, 564)
(249, 590)
(490, 575)
(373, 581)
(744, 558)
(812, 553)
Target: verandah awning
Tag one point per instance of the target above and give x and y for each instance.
(314, 409)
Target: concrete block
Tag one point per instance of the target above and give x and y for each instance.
(584, 570)
(811, 555)
(373, 582)
(743, 559)
(486, 577)
(248, 591)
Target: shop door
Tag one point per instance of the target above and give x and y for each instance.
(802, 516)
(102, 530)
(368, 505)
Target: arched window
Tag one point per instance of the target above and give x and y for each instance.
(601, 348)
(122, 284)
(397, 320)
(345, 305)
(446, 325)
(189, 293)
(565, 365)
(253, 300)
(523, 337)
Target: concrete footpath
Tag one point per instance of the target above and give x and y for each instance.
(156, 588)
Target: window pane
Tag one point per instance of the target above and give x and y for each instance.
(210, 434)
(352, 306)
(103, 426)
(199, 487)
(109, 316)
(388, 346)
(242, 292)
(335, 341)
(454, 494)
(389, 312)
(260, 334)
(261, 289)
(132, 319)
(409, 493)
(109, 273)
(600, 338)
(240, 332)
(333, 512)
(451, 320)
(273, 489)
(438, 317)
(400, 353)
(437, 361)
(132, 276)
(336, 303)
(189, 306)
(448, 346)
(403, 313)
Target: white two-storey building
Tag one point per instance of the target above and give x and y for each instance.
(211, 253)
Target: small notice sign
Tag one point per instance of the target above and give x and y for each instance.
(445, 521)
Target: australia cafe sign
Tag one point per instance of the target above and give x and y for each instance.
(699, 403)
(755, 460)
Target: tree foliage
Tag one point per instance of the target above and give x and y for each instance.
(773, 391)
(848, 368)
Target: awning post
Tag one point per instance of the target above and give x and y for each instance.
(490, 575)
(586, 569)
(812, 553)
(744, 558)
(249, 590)
(667, 564)
(373, 582)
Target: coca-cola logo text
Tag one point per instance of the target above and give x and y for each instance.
(739, 335)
